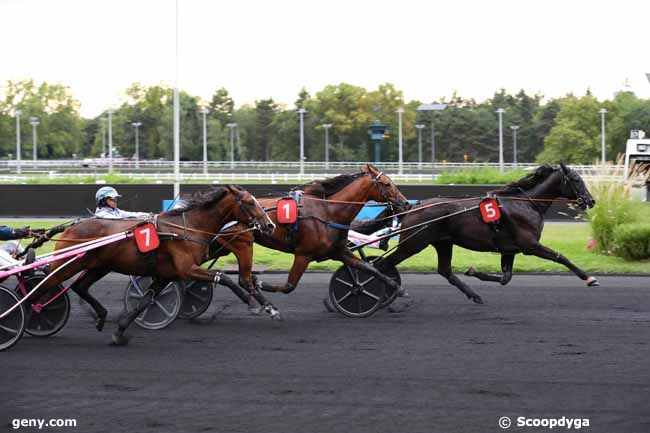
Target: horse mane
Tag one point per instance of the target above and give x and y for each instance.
(326, 187)
(201, 200)
(530, 180)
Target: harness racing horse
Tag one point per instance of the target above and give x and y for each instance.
(188, 234)
(328, 207)
(523, 204)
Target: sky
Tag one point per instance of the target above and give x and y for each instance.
(258, 49)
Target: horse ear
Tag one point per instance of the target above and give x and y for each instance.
(564, 168)
(371, 168)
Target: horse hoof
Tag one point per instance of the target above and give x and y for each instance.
(592, 282)
(404, 294)
(120, 340)
(275, 315)
(328, 306)
(99, 323)
(266, 288)
(476, 299)
(470, 272)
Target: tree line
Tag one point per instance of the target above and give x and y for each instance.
(566, 128)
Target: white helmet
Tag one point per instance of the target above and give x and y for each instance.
(104, 193)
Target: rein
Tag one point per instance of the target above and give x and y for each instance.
(215, 235)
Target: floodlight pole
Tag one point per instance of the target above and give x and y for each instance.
(18, 161)
(327, 127)
(177, 123)
(302, 112)
(500, 111)
(136, 125)
(34, 122)
(514, 144)
(231, 127)
(110, 141)
(419, 128)
(205, 141)
(602, 112)
(432, 107)
(400, 156)
(103, 122)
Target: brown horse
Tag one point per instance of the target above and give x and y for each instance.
(328, 207)
(523, 204)
(189, 232)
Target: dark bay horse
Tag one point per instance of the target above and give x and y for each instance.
(523, 202)
(328, 208)
(177, 258)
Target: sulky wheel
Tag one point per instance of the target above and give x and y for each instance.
(393, 273)
(165, 307)
(43, 321)
(196, 299)
(12, 326)
(356, 293)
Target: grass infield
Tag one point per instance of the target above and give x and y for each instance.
(570, 239)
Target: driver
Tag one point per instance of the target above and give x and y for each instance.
(106, 198)
(9, 250)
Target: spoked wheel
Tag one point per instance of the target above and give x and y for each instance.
(356, 293)
(165, 307)
(12, 326)
(196, 299)
(392, 273)
(50, 319)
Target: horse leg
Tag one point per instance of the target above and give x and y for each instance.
(351, 260)
(119, 339)
(81, 287)
(543, 252)
(298, 268)
(251, 286)
(507, 261)
(444, 250)
(218, 277)
(408, 248)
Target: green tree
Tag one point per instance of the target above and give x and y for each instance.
(60, 129)
(575, 138)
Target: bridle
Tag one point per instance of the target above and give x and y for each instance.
(567, 180)
(389, 201)
(254, 221)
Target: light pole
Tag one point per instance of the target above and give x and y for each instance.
(602, 112)
(231, 127)
(302, 112)
(205, 141)
(137, 125)
(514, 144)
(400, 157)
(110, 141)
(327, 127)
(419, 128)
(103, 121)
(177, 122)
(432, 108)
(18, 113)
(34, 122)
(500, 111)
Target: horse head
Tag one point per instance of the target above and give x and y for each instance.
(385, 190)
(573, 187)
(247, 210)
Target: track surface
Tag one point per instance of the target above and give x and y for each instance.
(542, 347)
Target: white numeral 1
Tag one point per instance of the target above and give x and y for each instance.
(286, 207)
